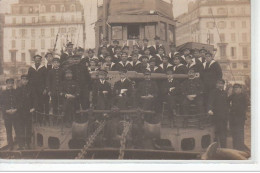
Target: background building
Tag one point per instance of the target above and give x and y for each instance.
(1, 42)
(32, 27)
(226, 25)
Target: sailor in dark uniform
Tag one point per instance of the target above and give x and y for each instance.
(153, 68)
(69, 92)
(192, 91)
(115, 44)
(145, 45)
(117, 56)
(37, 75)
(53, 82)
(103, 53)
(102, 93)
(136, 50)
(179, 68)
(218, 107)
(82, 77)
(165, 65)
(105, 44)
(192, 64)
(122, 91)
(9, 107)
(171, 92)
(212, 73)
(124, 63)
(202, 57)
(173, 52)
(24, 111)
(108, 65)
(147, 53)
(238, 108)
(93, 66)
(68, 53)
(136, 63)
(144, 65)
(49, 58)
(154, 48)
(147, 92)
(159, 56)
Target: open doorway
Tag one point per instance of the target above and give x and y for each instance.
(133, 31)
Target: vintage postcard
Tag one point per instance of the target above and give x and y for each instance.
(125, 80)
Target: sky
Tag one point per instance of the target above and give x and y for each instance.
(179, 6)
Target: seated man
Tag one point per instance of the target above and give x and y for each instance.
(144, 65)
(122, 91)
(124, 63)
(102, 92)
(152, 66)
(136, 63)
(165, 65)
(171, 92)
(92, 66)
(192, 90)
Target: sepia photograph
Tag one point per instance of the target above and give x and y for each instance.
(125, 80)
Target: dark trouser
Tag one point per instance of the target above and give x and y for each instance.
(172, 102)
(39, 100)
(221, 131)
(237, 132)
(103, 103)
(148, 104)
(84, 99)
(122, 102)
(56, 102)
(26, 128)
(198, 101)
(12, 121)
(69, 107)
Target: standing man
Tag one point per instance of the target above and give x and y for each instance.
(37, 75)
(105, 43)
(237, 117)
(173, 52)
(145, 45)
(67, 54)
(25, 109)
(8, 104)
(218, 107)
(49, 58)
(154, 48)
(212, 73)
(102, 92)
(122, 91)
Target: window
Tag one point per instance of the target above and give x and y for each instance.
(52, 42)
(52, 32)
(234, 65)
(222, 49)
(23, 33)
(23, 57)
(149, 31)
(42, 32)
(62, 19)
(62, 8)
(171, 33)
(13, 56)
(133, 32)
(233, 52)
(63, 30)
(245, 65)
(13, 44)
(13, 33)
(187, 144)
(163, 32)
(233, 37)
(23, 44)
(243, 24)
(209, 11)
(72, 7)
(222, 38)
(72, 18)
(244, 37)
(222, 25)
(23, 20)
(42, 44)
(14, 20)
(32, 44)
(33, 20)
(53, 18)
(245, 52)
(233, 24)
(43, 9)
(53, 8)
(117, 32)
(210, 25)
(243, 10)
(33, 32)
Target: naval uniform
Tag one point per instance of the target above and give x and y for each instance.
(102, 100)
(122, 99)
(24, 101)
(238, 107)
(37, 83)
(124, 66)
(9, 101)
(218, 103)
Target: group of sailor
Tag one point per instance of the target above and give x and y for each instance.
(66, 83)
